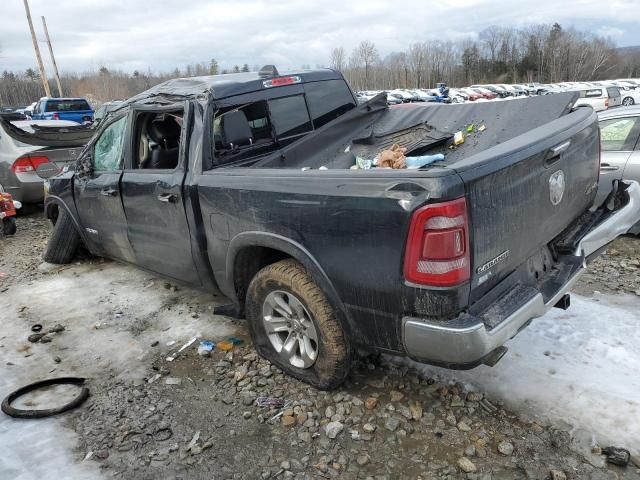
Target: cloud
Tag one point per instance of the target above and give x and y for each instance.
(610, 32)
(160, 35)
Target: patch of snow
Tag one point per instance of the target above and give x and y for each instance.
(112, 314)
(40, 450)
(580, 366)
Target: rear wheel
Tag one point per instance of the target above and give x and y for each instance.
(626, 101)
(64, 240)
(293, 325)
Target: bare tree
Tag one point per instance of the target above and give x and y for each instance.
(338, 59)
(491, 38)
(417, 59)
(366, 56)
(601, 51)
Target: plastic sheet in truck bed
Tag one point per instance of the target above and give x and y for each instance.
(423, 128)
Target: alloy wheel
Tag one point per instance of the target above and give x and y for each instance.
(290, 329)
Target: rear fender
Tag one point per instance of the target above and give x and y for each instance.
(292, 249)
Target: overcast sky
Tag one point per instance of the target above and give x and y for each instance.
(162, 34)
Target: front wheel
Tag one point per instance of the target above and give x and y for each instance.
(64, 240)
(293, 325)
(628, 101)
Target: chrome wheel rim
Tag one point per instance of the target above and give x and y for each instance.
(627, 101)
(290, 329)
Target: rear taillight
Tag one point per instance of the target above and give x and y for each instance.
(606, 103)
(28, 163)
(437, 250)
(56, 116)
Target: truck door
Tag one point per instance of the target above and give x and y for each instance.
(152, 194)
(97, 193)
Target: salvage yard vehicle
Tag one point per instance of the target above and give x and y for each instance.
(620, 158)
(26, 144)
(630, 95)
(216, 182)
(600, 98)
(73, 109)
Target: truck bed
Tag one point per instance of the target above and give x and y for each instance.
(355, 222)
(421, 128)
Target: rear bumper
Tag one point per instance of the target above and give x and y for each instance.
(27, 188)
(464, 342)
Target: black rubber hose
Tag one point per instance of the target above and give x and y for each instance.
(20, 413)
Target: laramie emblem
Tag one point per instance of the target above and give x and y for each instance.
(556, 187)
(494, 261)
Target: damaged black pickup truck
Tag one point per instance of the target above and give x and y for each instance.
(217, 182)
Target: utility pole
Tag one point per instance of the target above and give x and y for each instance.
(53, 59)
(43, 74)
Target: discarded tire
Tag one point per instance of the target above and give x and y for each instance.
(64, 240)
(41, 413)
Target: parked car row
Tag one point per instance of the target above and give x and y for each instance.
(600, 95)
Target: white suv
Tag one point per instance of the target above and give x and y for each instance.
(600, 98)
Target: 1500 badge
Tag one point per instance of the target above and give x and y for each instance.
(493, 262)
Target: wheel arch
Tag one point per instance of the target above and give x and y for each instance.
(249, 252)
(52, 208)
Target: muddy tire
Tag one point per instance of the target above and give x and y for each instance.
(328, 364)
(64, 240)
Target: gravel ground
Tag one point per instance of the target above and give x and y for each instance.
(615, 271)
(198, 417)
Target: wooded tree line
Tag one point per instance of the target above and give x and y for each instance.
(537, 53)
(23, 88)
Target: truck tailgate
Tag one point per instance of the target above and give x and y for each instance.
(524, 192)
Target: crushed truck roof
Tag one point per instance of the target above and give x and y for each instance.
(221, 86)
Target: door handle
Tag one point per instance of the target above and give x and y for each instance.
(608, 168)
(108, 192)
(167, 197)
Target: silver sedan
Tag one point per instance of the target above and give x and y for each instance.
(19, 161)
(620, 160)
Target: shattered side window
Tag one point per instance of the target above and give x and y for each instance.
(107, 151)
